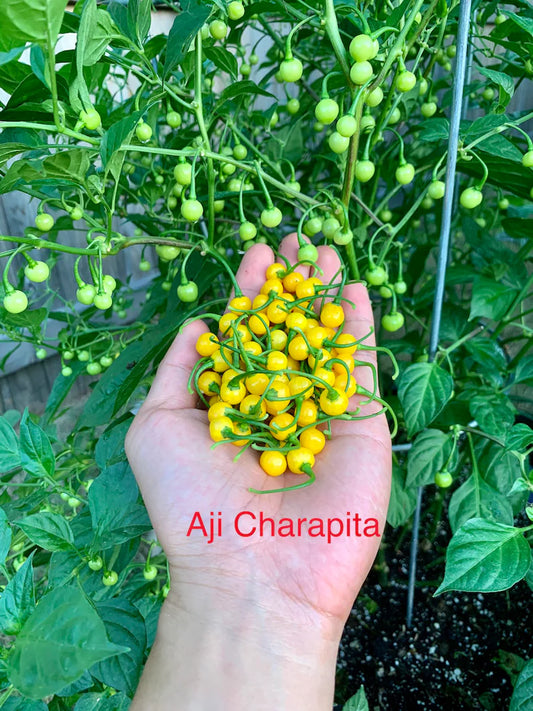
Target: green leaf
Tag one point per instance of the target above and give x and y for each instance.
(30, 21)
(493, 411)
(116, 516)
(242, 88)
(60, 389)
(99, 38)
(61, 638)
(36, 455)
(519, 439)
(97, 702)
(110, 446)
(358, 702)
(490, 299)
(223, 59)
(184, 28)
(71, 165)
(125, 626)
(476, 499)
(424, 390)
(18, 599)
(427, 456)
(402, 500)
(119, 133)
(48, 530)
(523, 690)
(16, 703)
(9, 447)
(433, 130)
(31, 319)
(504, 81)
(524, 370)
(485, 556)
(518, 227)
(490, 356)
(526, 23)
(5, 537)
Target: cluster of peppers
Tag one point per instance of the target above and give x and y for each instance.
(280, 371)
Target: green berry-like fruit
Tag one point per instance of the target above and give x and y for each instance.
(271, 217)
(471, 198)
(188, 292)
(326, 111)
(44, 222)
(91, 119)
(428, 109)
(393, 321)
(247, 231)
(218, 29)
(183, 173)
(436, 189)
(291, 70)
(337, 143)
(37, 272)
(308, 253)
(364, 170)
(527, 159)
(362, 48)
(405, 81)
(361, 72)
(313, 226)
(192, 210)
(346, 125)
(443, 479)
(405, 173)
(293, 106)
(166, 252)
(143, 132)
(85, 294)
(174, 119)
(103, 300)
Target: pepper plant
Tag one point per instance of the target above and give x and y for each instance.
(247, 121)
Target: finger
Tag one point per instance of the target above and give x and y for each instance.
(328, 260)
(251, 272)
(289, 249)
(359, 322)
(169, 389)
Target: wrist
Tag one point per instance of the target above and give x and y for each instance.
(211, 645)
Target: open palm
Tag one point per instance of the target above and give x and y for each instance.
(179, 475)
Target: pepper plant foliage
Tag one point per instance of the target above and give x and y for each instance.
(185, 145)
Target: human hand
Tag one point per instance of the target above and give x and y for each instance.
(295, 581)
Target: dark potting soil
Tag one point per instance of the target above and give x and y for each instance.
(459, 653)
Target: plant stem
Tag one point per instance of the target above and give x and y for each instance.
(203, 131)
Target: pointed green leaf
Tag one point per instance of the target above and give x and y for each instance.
(9, 447)
(50, 531)
(18, 599)
(36, 455)
(402, 500)
(485, 556)
(125, 626)
(523, 690)
(5, 537)
(61, 638)
(183, 31)
(424, 390)
(30, 21)
(490, 299)
(427, 456)
(476, 499)
(358, 702)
